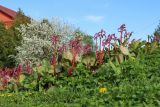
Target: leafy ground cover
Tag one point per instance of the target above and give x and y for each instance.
(138, 85)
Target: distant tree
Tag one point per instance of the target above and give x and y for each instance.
(10, 39)
(157, 33)
(21, 18)
(87, 39)
(7, 46)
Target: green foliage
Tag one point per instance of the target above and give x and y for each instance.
(41, 78)
(137, 85)
(7, 45)
(9, 39)
(20, 18)
(86, 39)
(157, 31)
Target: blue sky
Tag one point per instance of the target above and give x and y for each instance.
(140, 16)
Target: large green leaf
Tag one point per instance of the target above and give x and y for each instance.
(22, 78)
(69, 56)
(154, 45)
(117, 70)
(134, 45)
(124, 50)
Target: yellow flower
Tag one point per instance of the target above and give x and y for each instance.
(29, 93)
(103, 90)
(9, 95)
(2, 95)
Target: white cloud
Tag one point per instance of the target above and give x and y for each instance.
(94, 18)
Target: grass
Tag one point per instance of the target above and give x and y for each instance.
(56, 98)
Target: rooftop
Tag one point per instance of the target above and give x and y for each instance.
(7, 11)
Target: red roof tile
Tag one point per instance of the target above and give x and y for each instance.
(9, 12)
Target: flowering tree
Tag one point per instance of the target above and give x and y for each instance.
(37, 44)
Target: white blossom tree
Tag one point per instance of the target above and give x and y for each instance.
(36, 43)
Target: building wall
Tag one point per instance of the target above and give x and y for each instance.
(7, 20)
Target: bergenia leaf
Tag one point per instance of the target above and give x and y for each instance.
(124, 50)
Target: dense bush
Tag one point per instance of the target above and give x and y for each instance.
(10, 39)
(7, 46)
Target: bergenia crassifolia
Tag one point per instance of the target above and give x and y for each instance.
(122, 29)
(6, 74)
(75, 47)
(55, 40)
(86, 49)
(17, 72)
(127, 36)
(99, 35)
(107, 42)
(28, 68)
(62, 48)
(99, 50)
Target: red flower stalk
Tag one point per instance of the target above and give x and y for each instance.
(55, 40)
(75, 52)
(5, 75)
(121, 30)
(53, 60)
(70, 71)
(28, 68)
(75, 47)
(101, 55)
(87, 48)
(115, 40)
(5, 80)
(107, 41)
(17, 72)
(127, 34)
(62, 49)
(95, 38)
(73, 43)
(99, 35)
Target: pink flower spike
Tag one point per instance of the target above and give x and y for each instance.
(54, 39)
(62, 49)
(87, 48)
(28, 68)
